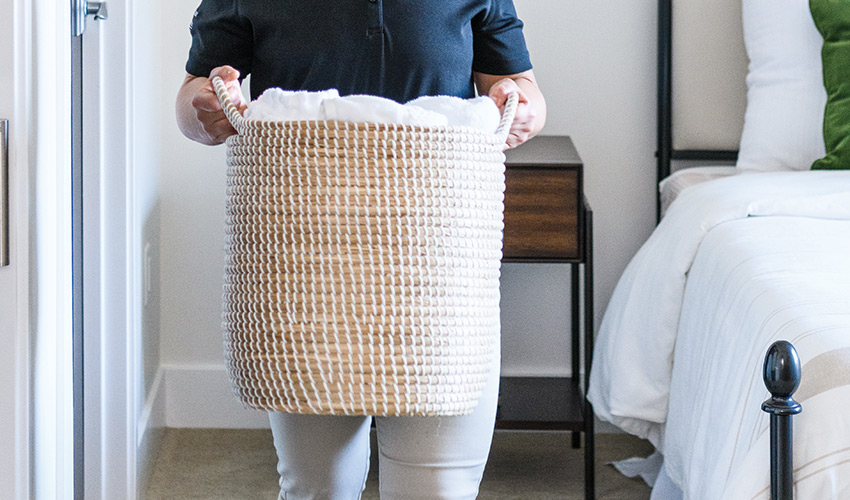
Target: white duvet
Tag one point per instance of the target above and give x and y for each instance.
(736, 264)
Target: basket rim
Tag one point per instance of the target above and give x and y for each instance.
(251, 124)
(243, 125)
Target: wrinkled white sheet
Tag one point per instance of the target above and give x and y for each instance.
(772, 261)
(755, 281)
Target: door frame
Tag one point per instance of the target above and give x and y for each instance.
(111, 290)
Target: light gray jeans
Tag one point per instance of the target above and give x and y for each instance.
(327, 457)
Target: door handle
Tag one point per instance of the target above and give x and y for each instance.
(4, 193)
(98, 10)
(80, 9)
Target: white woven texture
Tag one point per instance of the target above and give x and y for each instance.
(362, 272)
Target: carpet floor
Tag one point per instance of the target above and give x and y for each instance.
(213, 464)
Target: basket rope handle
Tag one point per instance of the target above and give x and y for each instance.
(230, 110)
(238, 121)
(507, 117)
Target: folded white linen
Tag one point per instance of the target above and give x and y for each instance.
(288, 105)
(428, 111)
(826, 206)
(374, 109)
(480, 112)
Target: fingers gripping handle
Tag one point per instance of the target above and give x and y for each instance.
(230, 110)
(507, 117)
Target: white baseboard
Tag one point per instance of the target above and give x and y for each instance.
(149, 431)
(153, 413)
(200, 396)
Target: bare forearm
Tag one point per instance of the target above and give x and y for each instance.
(187, 115)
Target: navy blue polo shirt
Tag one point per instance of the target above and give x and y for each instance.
(400, 49)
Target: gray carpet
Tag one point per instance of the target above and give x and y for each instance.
(213, 464)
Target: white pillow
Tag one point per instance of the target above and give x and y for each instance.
(783, 124)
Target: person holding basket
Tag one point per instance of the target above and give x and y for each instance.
(401, 50)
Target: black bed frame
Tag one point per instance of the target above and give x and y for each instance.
(665, 153)
(782, 377)
(781, 364)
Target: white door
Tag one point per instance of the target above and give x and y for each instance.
(35, 408)
(13, 431)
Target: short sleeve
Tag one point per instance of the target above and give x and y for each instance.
(498, 42)
(220, 36)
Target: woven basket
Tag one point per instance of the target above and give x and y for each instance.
(362, 272)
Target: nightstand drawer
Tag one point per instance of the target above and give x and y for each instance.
(544, 201)
(542, 213)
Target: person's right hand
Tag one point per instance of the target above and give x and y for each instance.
(208, 108)
(212, 126)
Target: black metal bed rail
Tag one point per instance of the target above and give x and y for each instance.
(665, 95)
(665, 152)
(781, 377)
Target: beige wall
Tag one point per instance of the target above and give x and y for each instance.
(595, 62)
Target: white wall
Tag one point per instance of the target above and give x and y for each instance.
(595, 62)
(147, 157)
(197, 392)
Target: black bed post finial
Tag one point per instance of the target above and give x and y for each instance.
(782, 377)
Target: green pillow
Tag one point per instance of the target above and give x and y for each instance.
(832, 18)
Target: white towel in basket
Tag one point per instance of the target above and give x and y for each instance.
(428, 111)
(374, 109)
(288, 105)
(480, 112)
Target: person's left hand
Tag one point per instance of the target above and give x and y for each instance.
(523, 123)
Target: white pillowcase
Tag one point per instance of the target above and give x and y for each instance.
(783, 124)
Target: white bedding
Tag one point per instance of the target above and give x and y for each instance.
(671, 187)
(736, 264)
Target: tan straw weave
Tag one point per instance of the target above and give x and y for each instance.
(362, 273)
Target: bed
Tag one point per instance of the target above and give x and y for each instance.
(746, 254)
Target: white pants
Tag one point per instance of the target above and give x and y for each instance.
(327, 457)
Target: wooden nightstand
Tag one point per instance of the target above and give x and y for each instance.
(548, 219)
